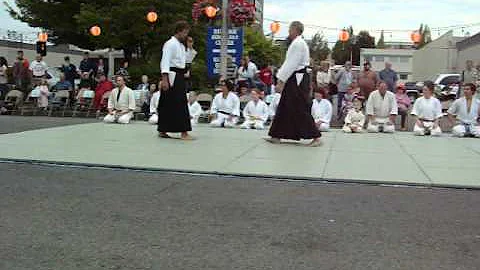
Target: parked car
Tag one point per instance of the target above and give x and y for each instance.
(446, 85)
(412, 90)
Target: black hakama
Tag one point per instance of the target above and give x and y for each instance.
(293, 119)
(173, 114)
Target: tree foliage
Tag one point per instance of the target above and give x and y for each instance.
(426, 35)
(350, 50)
(319, 49)
(381, 41)
(260, 49)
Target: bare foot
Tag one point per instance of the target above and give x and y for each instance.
(315, 143)
(403, 129)
(163, 135)
(273, 140)
(187, 138)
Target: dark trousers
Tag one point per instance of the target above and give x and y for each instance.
(404, 115)
(340, 98)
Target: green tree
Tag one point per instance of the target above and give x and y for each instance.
(123, 22)
(318, 46)
(350, 50)
(260, 49)
(426, 35)
(381, 41)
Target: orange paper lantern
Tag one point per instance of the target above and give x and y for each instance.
(95, 30)
(211, 12)
(416, 37)
(43, 37)
(275, 27)
(344, 35)
(152, 17)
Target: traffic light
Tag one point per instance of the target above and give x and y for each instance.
(42, 48)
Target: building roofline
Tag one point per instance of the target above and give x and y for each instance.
(62, 48)
(468, 42)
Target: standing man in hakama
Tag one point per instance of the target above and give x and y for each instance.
(293, 119)
(173, 115)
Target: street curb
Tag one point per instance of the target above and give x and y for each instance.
(224, 174)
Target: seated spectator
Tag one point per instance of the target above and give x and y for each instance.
(225, 108)
(153, 119)
(255, 112)
(85, 83)
(322, 110)
(63, 84)
(382, 110)
(404, 102)
(428, 111)
(146, 104)
(42, 92)
(194, 108)
(355, 119)
(275, 100)
(121, 103)
(104, 85)
(145, 86)
(347, 102)
(466, 111)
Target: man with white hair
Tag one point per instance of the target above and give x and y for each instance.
(293, 119)
(382, 110)
(121, 103)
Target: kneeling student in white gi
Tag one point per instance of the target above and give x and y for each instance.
(466, 111)
(153, 119)
(382, 110)
(225, 108)
(255, 112)
(355, 119)
(428, 110)
(275, 99)
(121, 103)
(321, 110)
(194, 108)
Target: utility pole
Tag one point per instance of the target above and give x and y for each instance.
(224, 44)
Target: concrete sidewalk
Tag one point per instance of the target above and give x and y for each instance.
(379, 158)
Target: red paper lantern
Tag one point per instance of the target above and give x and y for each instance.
(416, 37)
(152, 16)
(275, 27)
(95, 30)
(211, 12)
(344, 35)
(42, 37)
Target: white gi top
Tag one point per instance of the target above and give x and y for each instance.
(154, 102)
(125, 102)
(230, 105)
(38, 68)
(174, 55)
(298, 57)
(259, 110)
(191, 53)
(382, 107)
(322, 110)
(195, 109)
(354, 117)
(428, 109)
(459, 108)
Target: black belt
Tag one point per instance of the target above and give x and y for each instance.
(303, 70)
(226, 113)
(178, 70)
(426, 120)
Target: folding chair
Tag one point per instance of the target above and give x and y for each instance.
(13, 100)
(31, 102)
(140, 98)
(84, 103)
(60, 101)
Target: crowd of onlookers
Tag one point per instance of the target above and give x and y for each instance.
(365, 101)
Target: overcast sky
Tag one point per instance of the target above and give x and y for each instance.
(369, 15)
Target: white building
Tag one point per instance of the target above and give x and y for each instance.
(401, 60)
(468, 49)
(437, 57)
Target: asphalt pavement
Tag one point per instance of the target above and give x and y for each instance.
(59, 217)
